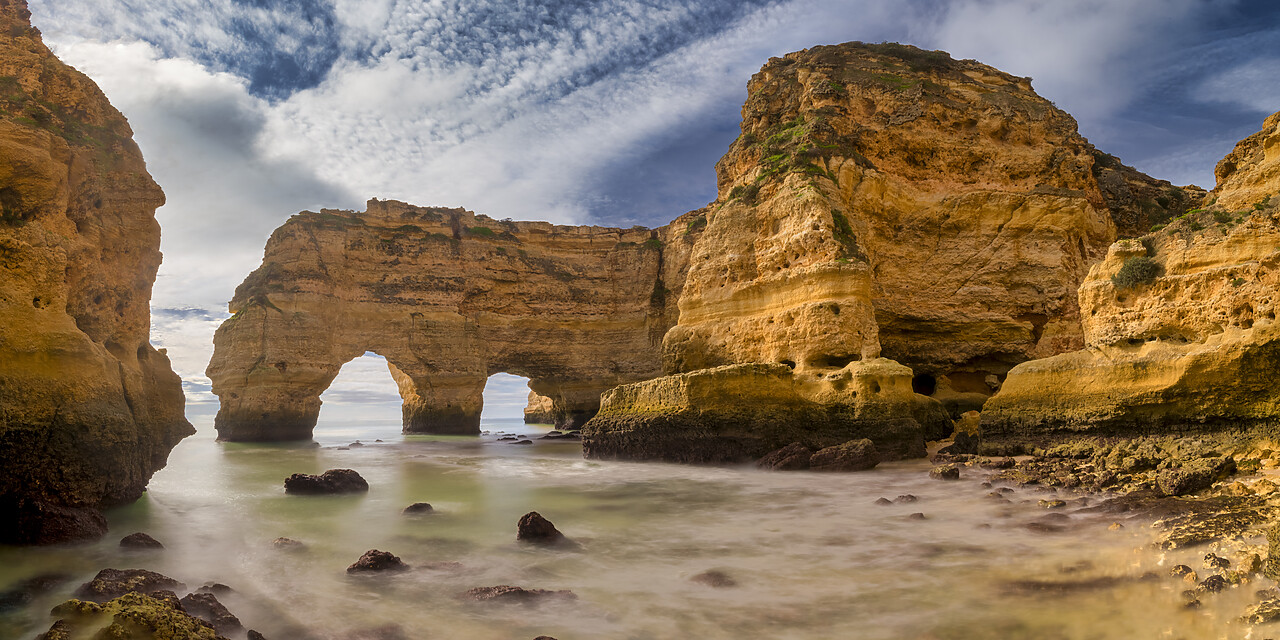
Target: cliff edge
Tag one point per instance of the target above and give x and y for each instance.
(88, 409)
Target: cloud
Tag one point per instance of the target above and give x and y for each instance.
(1254, 84)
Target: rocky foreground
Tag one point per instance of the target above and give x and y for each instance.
(88, 409)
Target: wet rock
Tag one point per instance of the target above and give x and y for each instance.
(1194, 475)
(216, 588)
(384, 632)
(713, 578)
(537, 529)
(945, 473)
(1181, 571)
(113, 583)
(523, 442)
(1214, 561)
(333, 481)
(1249, 562)
(61, 630)
(507, 593)
(254, 635)
(375, 560)
(544, 638)
(1213, 584)
(357, 443)
(168, 597)
(905, 498)
(505, 438)
(997, 496)
(883, 502)
(451, 567)
(132, 615)
(140, 541)
(916, 516)
(418, 509)
(793, 457)
(22, 593)
(288, 544)
(1052, 504)
(854, 455)
(1115, 526)
(206, 607)
(1262, 612)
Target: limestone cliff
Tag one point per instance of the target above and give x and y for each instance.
(539, 410)
(945, 196)
(448, 297)
(1180, 326)
(88, 409)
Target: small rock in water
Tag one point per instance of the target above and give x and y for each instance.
(507, 438)
(996, 495)
(883, 501)
(1180, 571)
(1052, 504)
(1005, 489)
(544, 638)
(417, 509)
(254, 635)
(1213, 584)
(535, 528)
(1115, 526)
(25, 591)
(1213, 561)
(332, 481)
(357, 443)
(854, 455)
(905, 498)
(288, 544)
(916, 516)
(985, 485)
(216, 588)
(140, 541)
(384, 632)
(374, 560)
(1263, 612)
(713, 578)
(507, 593)
(378, 440)
(523, 442)
(206, 607)
(944, 473)
(113, 583)
(793, 457)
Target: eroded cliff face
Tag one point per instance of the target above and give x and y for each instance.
(448, 298)
(945, 196)
(88, 409)
(1179, 326)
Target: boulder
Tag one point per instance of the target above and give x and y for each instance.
(132, 615)
(375, 560)
(792, 457)
(333, 481)
(418, 509)
(140, 541)
(207, 607)
(537, 529)
(714, 578)
(113, 583)
(945, 473)
(855, 455)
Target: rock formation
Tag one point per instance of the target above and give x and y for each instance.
(540, 410)
(88, 409)
(1180, 329)
(882, 204)
(448, 298)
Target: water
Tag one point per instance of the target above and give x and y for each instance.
(812, 555)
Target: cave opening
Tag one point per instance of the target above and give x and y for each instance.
(505, 398)
(924, 384)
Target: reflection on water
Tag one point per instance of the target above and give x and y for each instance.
(812, 555)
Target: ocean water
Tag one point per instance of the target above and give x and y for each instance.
(812, 555)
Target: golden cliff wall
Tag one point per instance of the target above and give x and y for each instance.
(1189, 346)
(945, 196)
(448, 298)
(88, 409)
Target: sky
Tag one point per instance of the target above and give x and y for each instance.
(610, 112)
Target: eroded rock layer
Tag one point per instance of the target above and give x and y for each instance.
(1180, 326)
(973, 204)
(448, 298)
(88, 409)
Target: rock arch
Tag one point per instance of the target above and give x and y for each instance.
(448, 298)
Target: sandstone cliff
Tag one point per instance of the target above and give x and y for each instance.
(448, 298)
(946, 196)
(1180, 326)
(88, 409)
(539, 410)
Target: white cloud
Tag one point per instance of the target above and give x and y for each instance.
(1254, 84)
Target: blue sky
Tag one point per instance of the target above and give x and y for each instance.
(609, 112)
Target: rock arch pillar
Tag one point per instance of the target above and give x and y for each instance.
(440, 403)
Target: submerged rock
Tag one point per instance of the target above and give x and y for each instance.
(855, 455)
(333, 481)
(418, 509)
(944, 473)
(207, 607)
(22, 593)
(288, 544)
(140, 541)
(375, 560)
(507, 593)
(793, 457)
(113, 583)
(714, 578)
(537, 529)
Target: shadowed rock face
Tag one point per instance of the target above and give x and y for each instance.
(448, 298)
(1191, 347)
(88, 409)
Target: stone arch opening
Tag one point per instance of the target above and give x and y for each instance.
(505, 398)
(362, 395)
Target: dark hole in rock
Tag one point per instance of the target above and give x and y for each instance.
(924, 384)
(836, 361)
(791, 364)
